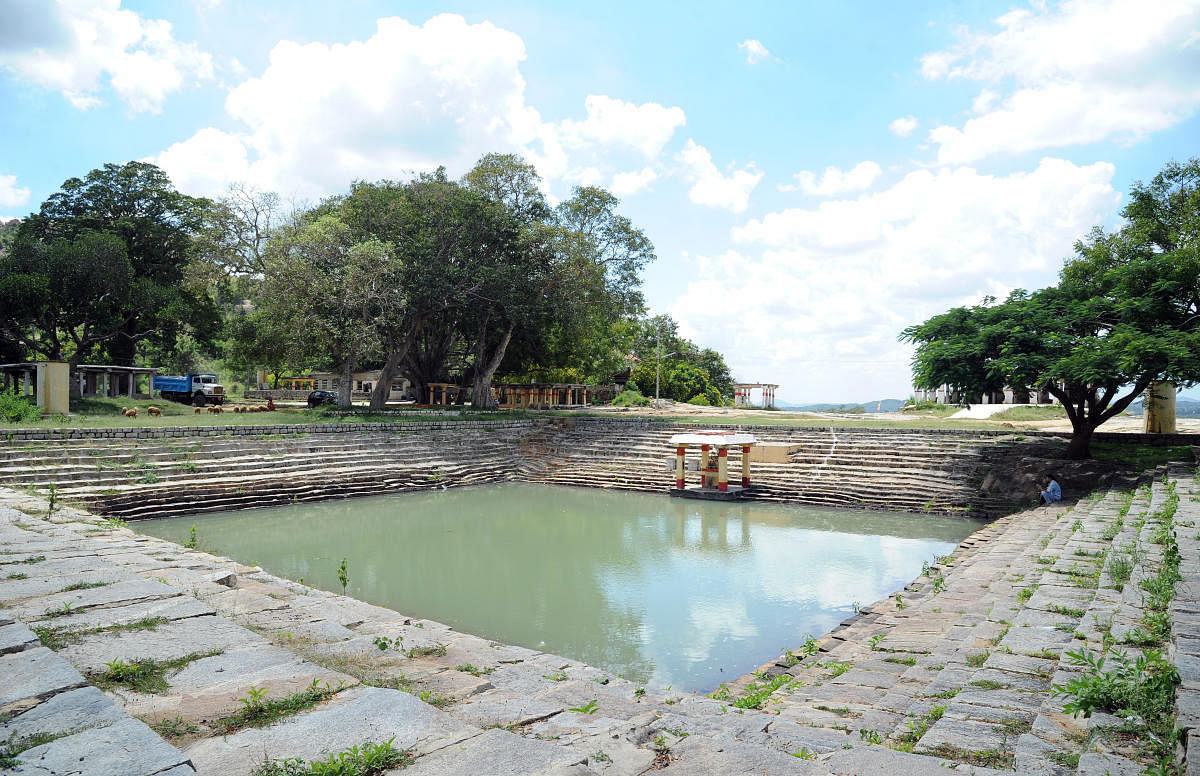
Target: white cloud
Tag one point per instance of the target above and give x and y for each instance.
(755, 51)
(903, 126)
(626, 183)
(612, 122)
(1075, 73)
(409, 97)
(75, 46)
(709, 186)
(835, 181)
(10, 194)
(816, 296)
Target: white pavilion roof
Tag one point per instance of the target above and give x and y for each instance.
(716, 438)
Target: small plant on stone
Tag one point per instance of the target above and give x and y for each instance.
(385, 643)
(557, 676)
(870, 736)
(343, 574)
(192, 542)
(939, 584)
(874, 640)
(836, 669)
(62, 611)
(467, 668)
(811, 647)
(805, 754)
(255, 698)
(588, 708)
(51, 499)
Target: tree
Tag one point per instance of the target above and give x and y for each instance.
(1126, 312)
(61, 299)
(323, 292)
(136, 203)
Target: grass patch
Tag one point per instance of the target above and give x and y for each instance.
(435, 650)
(1066, 611)
(1031, 413)
(988, 684)
(145, 676)
(467, 668)
(904, 661)
(83, 586)
(367, 759)
(985, 758)
(58, 638)
(10, 749)
(174, 728)
(1025, 593)
(1141, 456)
(259, 711)
(978, 659)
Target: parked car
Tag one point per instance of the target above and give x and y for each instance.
(317, 398)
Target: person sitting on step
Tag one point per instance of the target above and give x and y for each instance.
(1051, 491)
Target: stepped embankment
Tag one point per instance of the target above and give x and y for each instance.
(150, 472)
(956, 671)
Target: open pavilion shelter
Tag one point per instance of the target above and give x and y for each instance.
(714, 447)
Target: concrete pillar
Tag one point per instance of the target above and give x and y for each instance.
(745, 466)
(1159, 408)
(679, 455)
(53, 387)
(704, 459)
(723, 469)
(131, 377)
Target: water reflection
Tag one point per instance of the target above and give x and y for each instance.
(673, 592)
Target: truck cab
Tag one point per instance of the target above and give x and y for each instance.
(197, 389)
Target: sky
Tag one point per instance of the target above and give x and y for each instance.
(815, 176)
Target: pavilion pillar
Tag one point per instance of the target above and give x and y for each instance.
(745, 466)
(27, 383)
(679, 454)
(584, 401)
(129, 388)
(704, 462)
(723, 469)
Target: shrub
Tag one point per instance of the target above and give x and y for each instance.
(630, 398)
(700, 400)
(15, 408)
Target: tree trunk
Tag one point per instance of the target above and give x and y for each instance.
(481, 390)
(397, 353)
(346, 386)
(1079, 447)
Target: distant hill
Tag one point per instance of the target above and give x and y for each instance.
(1184, 408)
(879, 405)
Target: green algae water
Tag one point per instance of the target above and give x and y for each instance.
(659, 590)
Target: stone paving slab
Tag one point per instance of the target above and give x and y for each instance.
(124, 748)
(15, 637)
(68, 711)
(497, 753)
(35, 673)
(169, 641)
(350, 718)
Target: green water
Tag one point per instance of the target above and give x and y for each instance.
(665, 591)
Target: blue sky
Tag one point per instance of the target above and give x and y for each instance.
(815, 176)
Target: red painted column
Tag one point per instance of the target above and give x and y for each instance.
(723, 469)
(746, 466)
(703, 464)
(679, 454)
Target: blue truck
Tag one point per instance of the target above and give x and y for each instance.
(195, 389)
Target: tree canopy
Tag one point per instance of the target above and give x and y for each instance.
(135, 205)
(1125, 312)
